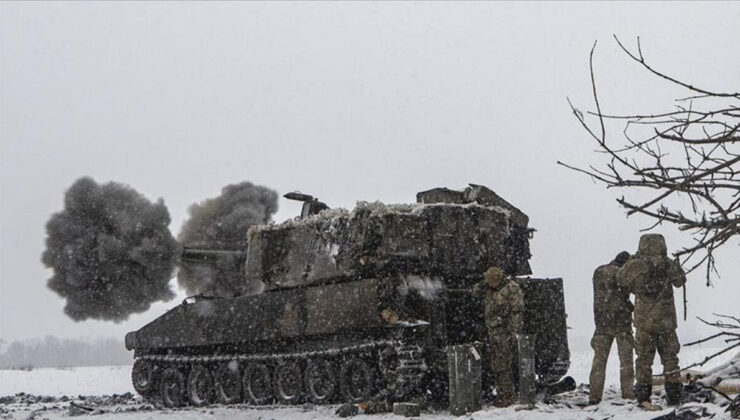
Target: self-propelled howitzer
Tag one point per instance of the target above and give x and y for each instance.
(349, 306)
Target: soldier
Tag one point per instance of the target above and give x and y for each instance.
(504, 304)
(613, 319)
(650, 275)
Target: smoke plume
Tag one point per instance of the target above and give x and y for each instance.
(222, 223)
(111, 251)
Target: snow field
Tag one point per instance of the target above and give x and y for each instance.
(93, 380)
(73, 382)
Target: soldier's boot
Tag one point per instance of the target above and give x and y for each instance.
(642, 393)
(673, 391)
(505, 400)
(505, 397)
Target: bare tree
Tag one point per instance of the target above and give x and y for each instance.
(687, 159)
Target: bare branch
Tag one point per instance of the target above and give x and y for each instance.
(686, 155)
(640, 59)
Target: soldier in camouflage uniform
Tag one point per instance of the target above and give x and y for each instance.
(651, 276)
(613, 319)
(504, 304)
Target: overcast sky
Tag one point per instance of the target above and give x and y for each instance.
(358, 101)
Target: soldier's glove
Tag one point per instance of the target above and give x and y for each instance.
(497, 322)
(514, 339)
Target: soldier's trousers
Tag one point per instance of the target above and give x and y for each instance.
(502, 354)
(667, 345)
(602, 344)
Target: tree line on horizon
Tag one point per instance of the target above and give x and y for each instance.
(51, 351)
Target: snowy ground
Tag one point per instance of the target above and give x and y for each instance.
(54, 394)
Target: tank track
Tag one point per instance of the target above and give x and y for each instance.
(172, 358)
(401, 368)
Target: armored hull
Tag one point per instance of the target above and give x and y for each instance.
(349, 306)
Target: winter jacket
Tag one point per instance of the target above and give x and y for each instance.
(651, 276)
(612, 306)
(503, 306)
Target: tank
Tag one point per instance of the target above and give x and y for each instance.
(340, 306)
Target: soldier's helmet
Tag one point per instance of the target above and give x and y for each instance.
(621, 258)
(493, 276)
(652, 245)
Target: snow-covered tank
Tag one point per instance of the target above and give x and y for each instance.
(350, 306)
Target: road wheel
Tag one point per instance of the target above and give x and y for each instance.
(356, 380)
(388, 363)
(173, 388)
(228, 383)
(144, 377)
(320, 380)
(257, 383)
(288, 382)
(200, 386)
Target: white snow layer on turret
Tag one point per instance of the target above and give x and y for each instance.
(376, 208)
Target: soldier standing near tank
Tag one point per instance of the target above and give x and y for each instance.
(613, 319)
(651, 276)
(504, 304)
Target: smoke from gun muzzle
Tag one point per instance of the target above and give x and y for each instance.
(222, 223)
(111, 251)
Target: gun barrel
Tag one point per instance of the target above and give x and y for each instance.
(195, 255)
